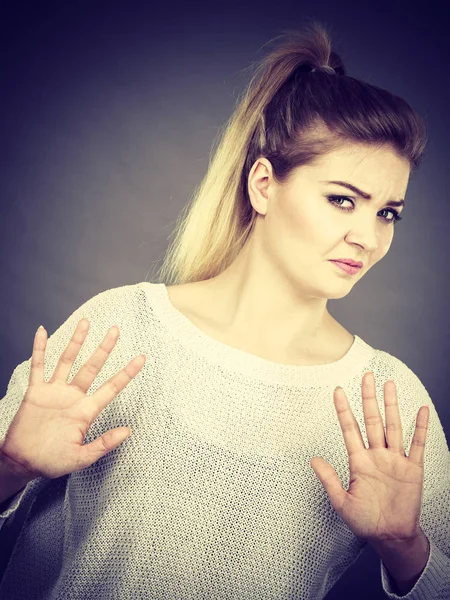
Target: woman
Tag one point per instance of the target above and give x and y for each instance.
(248, 473)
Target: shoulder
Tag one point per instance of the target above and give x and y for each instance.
(411, 391)
(412, 394)
(393, 367)
(128, 302)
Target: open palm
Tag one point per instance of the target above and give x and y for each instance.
(384, 498)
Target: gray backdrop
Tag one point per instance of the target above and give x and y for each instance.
(108, 116)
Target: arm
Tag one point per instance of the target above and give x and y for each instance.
(10, 484)
(421, 570)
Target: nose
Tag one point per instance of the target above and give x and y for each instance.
(365, 234)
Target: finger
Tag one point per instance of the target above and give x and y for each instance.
(349, 425)
(394, 431)
(90, 453)
(417, 450)
(89, 371)
(38, 357)
(372, 417)
(330, 481)
(67, 358)
(111, 388)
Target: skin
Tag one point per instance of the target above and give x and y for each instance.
(274, 295)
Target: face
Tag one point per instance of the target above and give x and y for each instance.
(300, 228)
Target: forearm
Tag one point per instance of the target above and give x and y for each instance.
(405, 561)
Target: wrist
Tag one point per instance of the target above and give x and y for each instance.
(11, 471)
(404, 559)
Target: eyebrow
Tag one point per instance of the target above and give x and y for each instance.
(364, 194)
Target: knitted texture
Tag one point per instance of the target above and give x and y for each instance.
(212, 496)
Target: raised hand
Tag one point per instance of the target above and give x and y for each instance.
(46, 436)
(384, 498)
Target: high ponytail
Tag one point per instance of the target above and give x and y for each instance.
(290, 115)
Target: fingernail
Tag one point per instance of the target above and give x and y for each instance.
(40, 328)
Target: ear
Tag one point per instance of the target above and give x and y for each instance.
(260, 179)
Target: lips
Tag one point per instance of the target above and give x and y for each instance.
(351, 270)
(348, 261)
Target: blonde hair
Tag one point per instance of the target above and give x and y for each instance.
(288, 115)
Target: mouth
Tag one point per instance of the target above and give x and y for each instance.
(349, 269)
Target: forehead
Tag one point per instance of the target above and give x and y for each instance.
(371, 167)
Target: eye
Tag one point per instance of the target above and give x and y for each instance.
(334, 199)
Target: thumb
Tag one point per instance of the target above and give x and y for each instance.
(108, 441)
(330, 481)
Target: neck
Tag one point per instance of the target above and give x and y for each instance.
(250, 302)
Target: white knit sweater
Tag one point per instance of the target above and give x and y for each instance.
(212, 496)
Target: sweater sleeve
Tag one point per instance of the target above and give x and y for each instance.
(9, 405)
(434, 582)
(103, 310)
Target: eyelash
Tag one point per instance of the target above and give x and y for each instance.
(396, 217)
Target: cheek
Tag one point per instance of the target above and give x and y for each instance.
(287, 220)
(286, 233)
(385, 241)
(305, 226)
